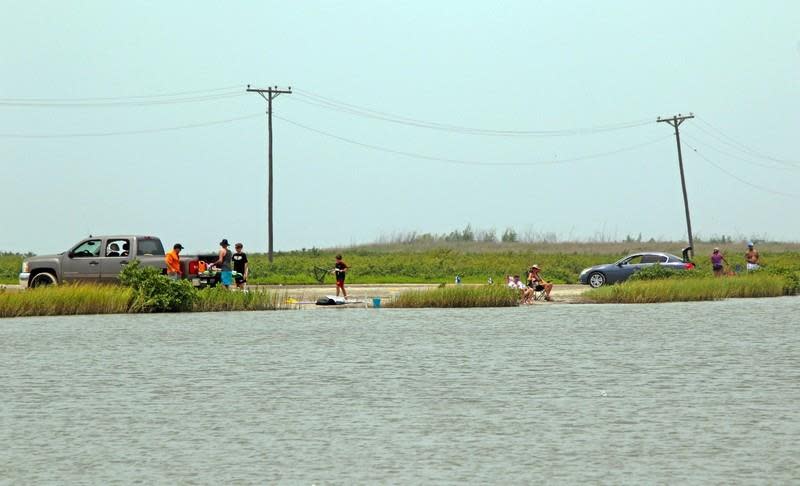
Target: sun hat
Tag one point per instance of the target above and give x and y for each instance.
(716, 249)
(224, 242)
(535, 266)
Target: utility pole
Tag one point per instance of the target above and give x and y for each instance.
(269, 94)
(676, 121)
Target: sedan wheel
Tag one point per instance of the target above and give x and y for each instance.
(596, 280)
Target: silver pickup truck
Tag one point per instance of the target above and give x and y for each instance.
(94, 259)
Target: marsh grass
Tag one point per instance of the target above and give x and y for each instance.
(66, 300)
(458, 296)
(219, 299)
(79, 299)
(692, 289)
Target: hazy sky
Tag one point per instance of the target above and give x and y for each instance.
(406, 116)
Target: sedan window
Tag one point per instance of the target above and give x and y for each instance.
(634, 260)
(653, 259)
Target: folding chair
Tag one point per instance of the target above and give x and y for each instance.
(539, 292)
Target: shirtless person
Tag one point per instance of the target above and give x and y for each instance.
(751, 257)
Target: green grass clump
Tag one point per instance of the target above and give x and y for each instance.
(458, 296)
(10, 265)
(70, 299)
(219, 299)
(757, 284)
(154, 292)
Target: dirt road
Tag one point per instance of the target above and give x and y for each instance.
(564, 294)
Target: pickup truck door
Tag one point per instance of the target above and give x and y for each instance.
(82, 263)
(116, 254)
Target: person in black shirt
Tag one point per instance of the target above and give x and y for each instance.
(240, 266)
(340, 269)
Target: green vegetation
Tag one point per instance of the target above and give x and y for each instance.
(458, 296)
(154, 292)
(144, 290)
(10, 265)
(695, 287)
(438, 265)
(59, 300)
(219, 299)
(476, 262)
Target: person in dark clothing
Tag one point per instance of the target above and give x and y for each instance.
(240, 266)
(340, 270)
(224, 263)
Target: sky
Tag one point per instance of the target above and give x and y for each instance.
(404, 117)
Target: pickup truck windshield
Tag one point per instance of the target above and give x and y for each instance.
(149, 246)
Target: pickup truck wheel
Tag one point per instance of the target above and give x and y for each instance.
(43, 280)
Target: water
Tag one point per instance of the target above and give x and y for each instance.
(677, 393)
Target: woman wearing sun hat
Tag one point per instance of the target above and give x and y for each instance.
(538, 282)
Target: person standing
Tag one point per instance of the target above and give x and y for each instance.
(340, 270)
(240, 266)
(716, 263)
(224, 263)
(173, 260)
(752, 258)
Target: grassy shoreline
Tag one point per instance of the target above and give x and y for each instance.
(693, 289)
(85, 299)
(457, 297)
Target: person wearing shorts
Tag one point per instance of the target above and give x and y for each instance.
(224, 263)
(717, 263)
(538, 283)
(751, 257)
(240, 266)
(340, 270)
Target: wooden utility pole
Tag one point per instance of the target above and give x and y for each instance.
(676, 121)
(269, 94)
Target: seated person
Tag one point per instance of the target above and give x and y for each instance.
(538, 283)
(526, 292)
(125, 249)
(113, 250)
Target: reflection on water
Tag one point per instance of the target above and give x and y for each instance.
(703, 392)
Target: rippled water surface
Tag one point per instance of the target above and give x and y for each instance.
(675, 393)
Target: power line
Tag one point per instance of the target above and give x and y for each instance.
(114, 98)
(743, 181)
(735, 143)
(127, 132)
(470, 162)
(111, 103)
(738, 157)
(328, 103)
